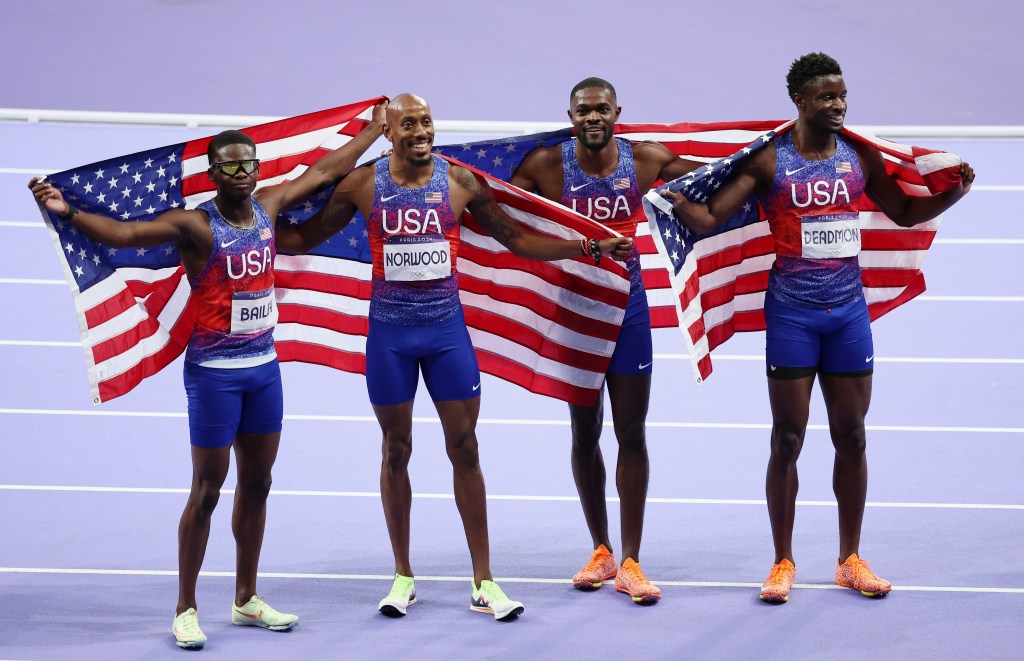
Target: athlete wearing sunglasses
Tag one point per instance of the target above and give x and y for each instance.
(230, 168)
(227, 246)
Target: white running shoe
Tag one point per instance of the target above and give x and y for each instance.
(258, 613)
(186, 630)
(402, 595)
(489, 598)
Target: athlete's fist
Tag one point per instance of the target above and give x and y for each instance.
(48, 195)
(966, 177)
(617, 248)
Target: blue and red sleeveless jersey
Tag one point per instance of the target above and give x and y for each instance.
(812, 212)
(414, 243)
(615, 201)
(233, 296)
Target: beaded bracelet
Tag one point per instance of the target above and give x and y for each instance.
(595, 250)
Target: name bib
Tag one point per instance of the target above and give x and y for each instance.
(417, 258)
(253, 311)
(830, 236)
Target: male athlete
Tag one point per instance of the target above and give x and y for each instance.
(413, 202)
(605, 178)
(808, 182)
(232, 377)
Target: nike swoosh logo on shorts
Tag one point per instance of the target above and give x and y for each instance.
(389, 197)
(643, 367)
(792, 172)
(476, 387)
(225, 245)
(576, 188)
(868, 359)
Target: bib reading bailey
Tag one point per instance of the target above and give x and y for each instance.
(233, 296)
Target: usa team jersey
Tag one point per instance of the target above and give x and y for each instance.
(813, 218)
(233, 296)
(414, 243)
(615, 201)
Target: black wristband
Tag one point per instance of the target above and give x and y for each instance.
(70, 213)
(595, 250)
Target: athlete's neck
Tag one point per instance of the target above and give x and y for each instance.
(812, 143)
(410, 175)
(240, 215)
(601, 163)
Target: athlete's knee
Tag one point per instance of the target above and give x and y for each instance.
(256, 486)
(205, 494)
(850, 442)
(586, 432)
(397, 450)
(462, 449)
(786, 444)
(632, 435)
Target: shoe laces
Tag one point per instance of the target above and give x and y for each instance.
(778, 574)
(600, 556)
(402, 586)
(492, 592)
(188, 624)
(634, 573)
(861, 568)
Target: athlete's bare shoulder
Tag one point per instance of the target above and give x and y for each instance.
(541, 170)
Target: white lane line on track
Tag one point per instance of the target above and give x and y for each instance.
(32, 281)
(525, 422)
(463, 579)
(499, 497)
(38, 343)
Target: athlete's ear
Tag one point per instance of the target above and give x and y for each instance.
(387, 133)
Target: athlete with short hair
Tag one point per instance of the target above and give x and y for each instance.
(232, 377)
(605, 178)
(808, 182)
(413, 202)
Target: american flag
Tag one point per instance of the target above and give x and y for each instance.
(720, 287)
(550, 327)
(718, 279)
(702, 142)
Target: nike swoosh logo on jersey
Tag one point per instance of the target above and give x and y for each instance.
(389, 197)
(225, 245)
(790, 173)
(576, 188)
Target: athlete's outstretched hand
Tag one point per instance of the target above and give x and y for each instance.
(966, 177)
(617, 248)
(47, 194)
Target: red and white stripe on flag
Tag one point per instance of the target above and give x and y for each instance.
(720, 289)
(549, 327)
(136, 321)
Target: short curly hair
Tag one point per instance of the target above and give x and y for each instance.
(593, 81)
(225, 138)
(808, 67)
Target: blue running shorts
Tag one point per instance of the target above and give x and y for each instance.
(634, 351)
(395, 354)
(224, 402)
(802, 341)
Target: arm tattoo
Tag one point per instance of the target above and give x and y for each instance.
(486, 211)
